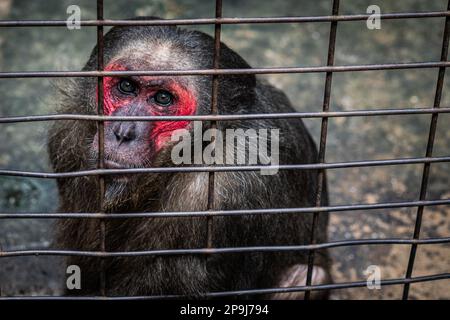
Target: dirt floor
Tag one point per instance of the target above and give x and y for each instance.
(348, 139)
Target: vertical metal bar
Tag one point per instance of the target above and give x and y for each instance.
(214, 110)
(1, 250)
(101, 140)
(429, 153)
(323, 142)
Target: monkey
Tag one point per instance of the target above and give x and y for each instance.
(73, 146)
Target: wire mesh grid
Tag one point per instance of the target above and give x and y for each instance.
(210, 213)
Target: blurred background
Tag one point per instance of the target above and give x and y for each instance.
(22, 145)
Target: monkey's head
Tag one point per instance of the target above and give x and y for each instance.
(134, 144)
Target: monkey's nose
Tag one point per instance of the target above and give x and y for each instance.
(124, 132)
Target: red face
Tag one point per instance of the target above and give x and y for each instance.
(142, 96)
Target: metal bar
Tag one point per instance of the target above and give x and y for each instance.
(309, 166)
(202, 21)
(303, 210)
(228, 117)
(1, 251)
(208, 251)
(429, 152)
(214, 111)
(334, 286)
(101, 144)
(191, 72)
(321, 179)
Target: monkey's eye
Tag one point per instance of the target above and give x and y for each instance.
(126, 86)
(163, 98)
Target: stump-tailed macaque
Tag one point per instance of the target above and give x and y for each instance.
(73, 146)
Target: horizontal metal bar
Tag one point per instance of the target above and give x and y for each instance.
(334, 286)
(227, 117)
(202, 21)
(318, 69)
(95, 215)
(309, 166)
(207, 251)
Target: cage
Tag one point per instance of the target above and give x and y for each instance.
(422, 163)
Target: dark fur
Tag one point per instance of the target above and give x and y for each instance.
(70, 150)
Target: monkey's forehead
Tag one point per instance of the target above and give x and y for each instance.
(154, 55)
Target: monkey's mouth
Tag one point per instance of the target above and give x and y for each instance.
(109, 164)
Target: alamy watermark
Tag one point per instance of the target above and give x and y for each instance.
(232, 147)
(374, 20)
(373, 274)
(73, 21)
(74, 279)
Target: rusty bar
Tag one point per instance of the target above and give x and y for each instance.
(278, 70)
(1, 253)
(229, 117)
(429, 153)
(334, 286)
(101, 143)
(214, 111)
(308, 166)
(321, 179)
(209, 251)
(203, 21)
(165, 214)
